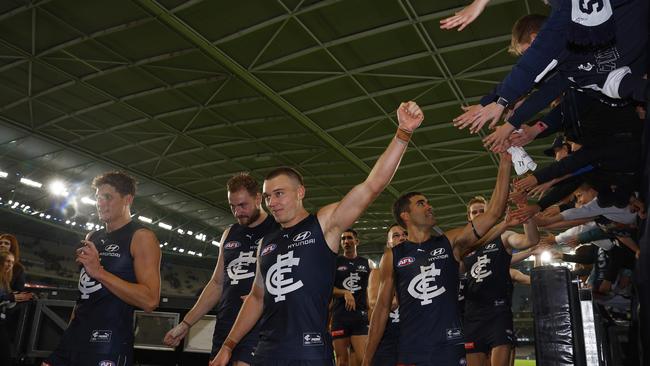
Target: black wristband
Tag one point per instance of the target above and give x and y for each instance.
(502, 102)
(474, 230)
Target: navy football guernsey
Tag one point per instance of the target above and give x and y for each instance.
(240, 263)
(389, 341)
(103, 323)
(489, 286)
(426, 277)
(298, 269)
(462, 285)
(352, 275)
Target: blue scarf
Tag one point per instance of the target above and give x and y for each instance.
(591, 23)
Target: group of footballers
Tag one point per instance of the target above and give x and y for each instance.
(284, 296)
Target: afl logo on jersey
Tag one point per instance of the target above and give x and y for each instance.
(405, 261)
(302, 236)
(342, 268)
(268, 249)
(112, 248)
(232, 245)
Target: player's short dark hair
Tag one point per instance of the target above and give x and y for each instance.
(243, 180)
(288, 171)
(401, 204)
(354, 232)
(123, 183)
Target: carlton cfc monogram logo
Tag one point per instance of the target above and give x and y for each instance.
(276, 284)
(237, 268)
(420, 286)
(351, 284)
(478, 269)
(87, 285)
(394, 316)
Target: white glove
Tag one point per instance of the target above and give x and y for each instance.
(521, 160)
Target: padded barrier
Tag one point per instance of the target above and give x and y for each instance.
(556, 310)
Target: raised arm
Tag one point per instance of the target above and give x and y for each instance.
(528, 239)
(336, 217)
(464, 239)
(494, 232)
(210, 296)
(465, 17)
(518, 277)
(522, 255)
(249, 314)
(382, 306)
(145, 250)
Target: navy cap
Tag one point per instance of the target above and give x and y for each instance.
(557, 143)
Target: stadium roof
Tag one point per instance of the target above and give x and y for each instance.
(185, 93)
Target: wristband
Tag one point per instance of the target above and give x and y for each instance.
(229, 344)
(403, 135)
(474, 230)
(502, 102)
(540, 126)
(186, 323)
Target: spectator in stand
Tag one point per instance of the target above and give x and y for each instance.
(567, 42)
(10, 243)
(8, 299)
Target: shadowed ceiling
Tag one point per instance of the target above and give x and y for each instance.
(183, 94)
